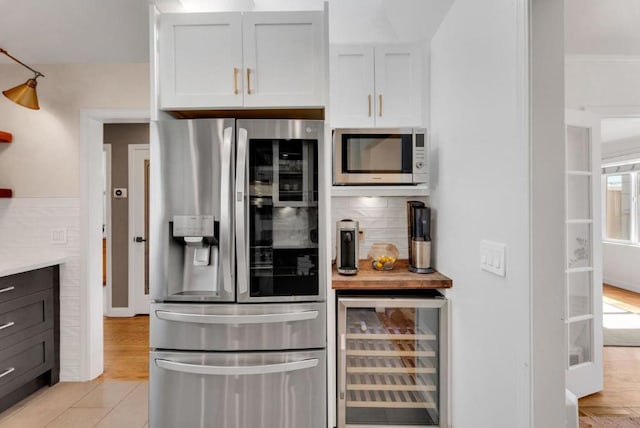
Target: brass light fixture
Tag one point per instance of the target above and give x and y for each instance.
(24, 94)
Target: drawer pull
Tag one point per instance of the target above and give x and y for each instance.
(7, 371)
(7, 325)
(4, 290)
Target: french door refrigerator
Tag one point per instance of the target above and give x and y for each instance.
(238, 319)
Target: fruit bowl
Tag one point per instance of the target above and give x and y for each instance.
(383, 256)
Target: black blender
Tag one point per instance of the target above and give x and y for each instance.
(419, 234)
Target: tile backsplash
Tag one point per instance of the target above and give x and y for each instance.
(383, 219)
(27, 225)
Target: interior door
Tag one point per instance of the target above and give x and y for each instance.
(583, 246)
(139, 228)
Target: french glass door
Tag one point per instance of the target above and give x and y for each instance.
(583, 243)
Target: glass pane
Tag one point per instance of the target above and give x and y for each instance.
(579, 197)
(578, 245)
(579, 293)
(283, 218)
(580, 343)
(618, 207)
(578, 148)
(392, 366)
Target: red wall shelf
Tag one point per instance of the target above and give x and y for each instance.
(5, 137)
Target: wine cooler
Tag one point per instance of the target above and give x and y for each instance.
(392, 362)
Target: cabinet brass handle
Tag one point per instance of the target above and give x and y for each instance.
(235, 80)
(7, 325)
(369, 100)
(248, 80)
(4, 290)
(380, 105)
(6, 372)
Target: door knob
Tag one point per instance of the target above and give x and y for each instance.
(139, 239)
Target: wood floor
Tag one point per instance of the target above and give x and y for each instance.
(126, 348)
(621, 394)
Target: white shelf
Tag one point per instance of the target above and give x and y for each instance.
(404, 190)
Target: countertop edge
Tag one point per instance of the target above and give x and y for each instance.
(22, 265)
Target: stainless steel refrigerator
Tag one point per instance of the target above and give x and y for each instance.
(238, 319)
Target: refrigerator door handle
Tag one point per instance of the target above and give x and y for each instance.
(241, 250)
(237, 319)
(236, 370)
(225, 213)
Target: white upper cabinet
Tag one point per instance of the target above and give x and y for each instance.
(200, 58)
(283, 58)
(376, 86)
(250, 59)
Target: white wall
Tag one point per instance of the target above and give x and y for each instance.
(481, 144)
(608, 83)
(43, 160)
(42, 165)
(602, 81)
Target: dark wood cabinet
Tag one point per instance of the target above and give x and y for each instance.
(29, 333)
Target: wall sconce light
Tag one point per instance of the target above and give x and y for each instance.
(24, 94)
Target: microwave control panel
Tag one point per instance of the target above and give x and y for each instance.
(420, 160)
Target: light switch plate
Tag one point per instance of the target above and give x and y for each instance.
(59, 236)
(493, 257)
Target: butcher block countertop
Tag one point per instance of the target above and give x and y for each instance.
(397, 278)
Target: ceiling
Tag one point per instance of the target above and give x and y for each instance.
(116, 31)
(75, 31)
(619, 129)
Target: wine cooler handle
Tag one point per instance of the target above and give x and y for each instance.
(343, 364)
(240, 196)
(226, 240)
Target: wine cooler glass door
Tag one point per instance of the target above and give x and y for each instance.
(391, 364)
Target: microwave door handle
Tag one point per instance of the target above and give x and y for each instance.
(226, 253)
(262, 369)
(241, 187)
(237, 319)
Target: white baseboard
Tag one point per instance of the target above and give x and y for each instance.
(622, 284)
(119, 312)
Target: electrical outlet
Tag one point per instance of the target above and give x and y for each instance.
(361, 235)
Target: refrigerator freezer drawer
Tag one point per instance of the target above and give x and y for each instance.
(260, 327)
(245, 390)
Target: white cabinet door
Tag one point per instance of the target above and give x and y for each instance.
(398, 75)
(376, 86)
(583, 243)
(352, 86)
(283, 56)
(200, 60)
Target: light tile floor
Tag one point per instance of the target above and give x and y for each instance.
(117, 404)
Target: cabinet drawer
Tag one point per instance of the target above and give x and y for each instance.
(23, 317)
(22, 284)
(25, 361)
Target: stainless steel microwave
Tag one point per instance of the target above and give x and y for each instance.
(380, 156)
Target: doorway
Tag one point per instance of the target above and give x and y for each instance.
(127, 255)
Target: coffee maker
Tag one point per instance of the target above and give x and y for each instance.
(419, 237)
(347, 247)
